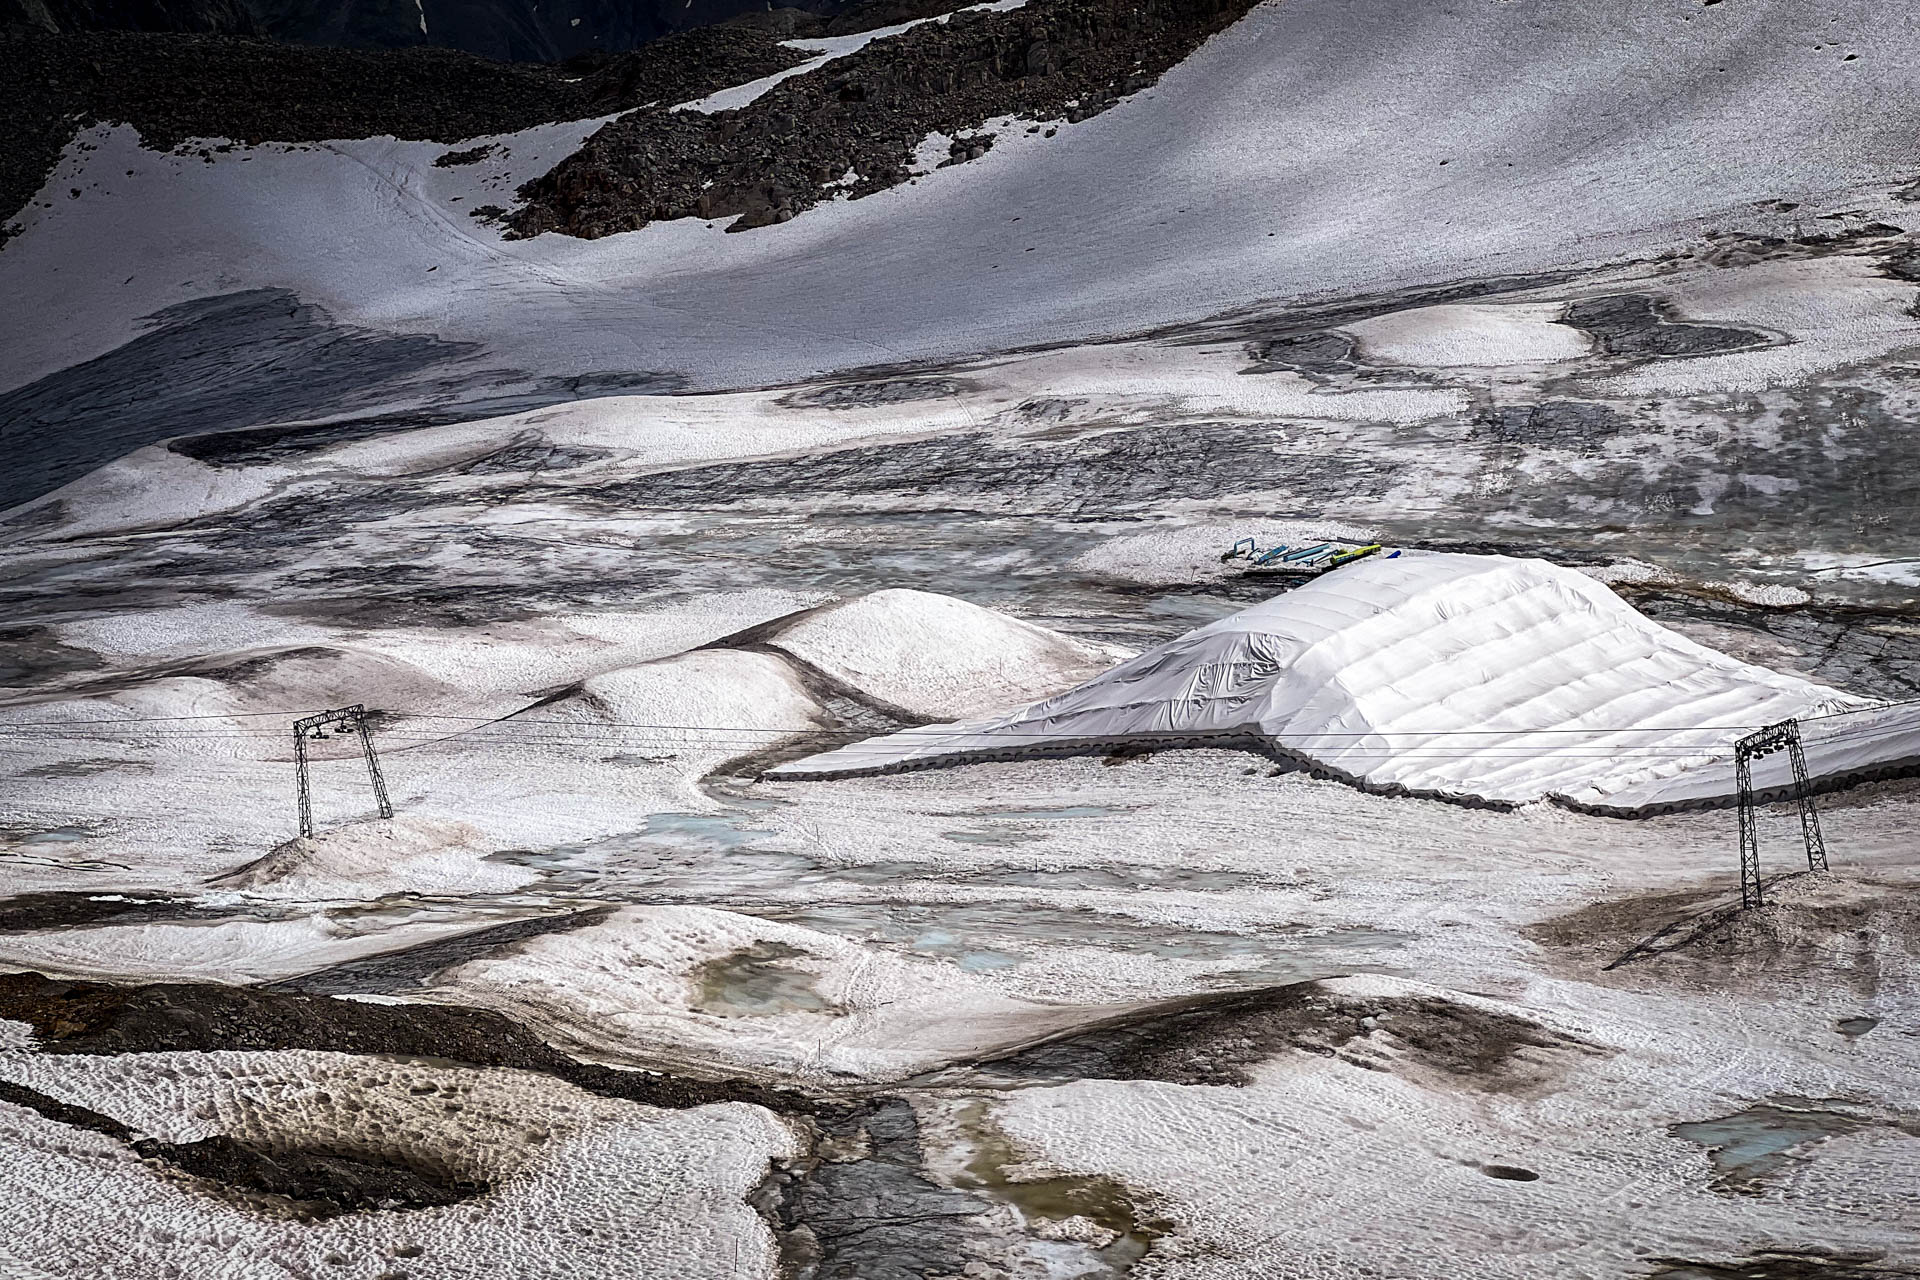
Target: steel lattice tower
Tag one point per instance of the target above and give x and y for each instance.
(1784, 736)
(351, 719)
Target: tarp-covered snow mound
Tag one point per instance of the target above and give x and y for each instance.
(1483, 679)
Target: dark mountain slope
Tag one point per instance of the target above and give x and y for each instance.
(207, 17)
(175, 87)
(505, 30)
(866, 114)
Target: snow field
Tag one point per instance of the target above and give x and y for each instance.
(1291, 127)
(581, 1184)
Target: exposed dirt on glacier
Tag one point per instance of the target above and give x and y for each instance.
(1216, 1039)
(308, 1183)
(1836, 928)
(176, 87)
(100, 1018)
(855, 125)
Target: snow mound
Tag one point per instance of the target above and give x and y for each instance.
(371, 859)
(699, 986)
(933, 655)
(723, 688)
(1482, 679)
(1454, 336)
(235, 952)
(720, 702)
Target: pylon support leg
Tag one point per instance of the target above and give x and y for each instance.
(300, 775)
(1809, 816)
(373, 769)
(1750, 897)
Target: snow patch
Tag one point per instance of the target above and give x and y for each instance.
(827, 49)
(1453, 336)
(235, 952)
(374, 858)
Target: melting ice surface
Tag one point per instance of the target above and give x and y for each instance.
(730, 859)
(1068, 811)
(706, 853)
(1000, 836)
(52, 848)
(755, 981)
(982, 936)
(1750, 1144)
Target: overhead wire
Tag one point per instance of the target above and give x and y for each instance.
(490, 735)
(551, 725)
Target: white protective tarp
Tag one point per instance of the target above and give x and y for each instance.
(1475, 678)
(1858, 746)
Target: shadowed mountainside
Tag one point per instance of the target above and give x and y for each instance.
(509, 30)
